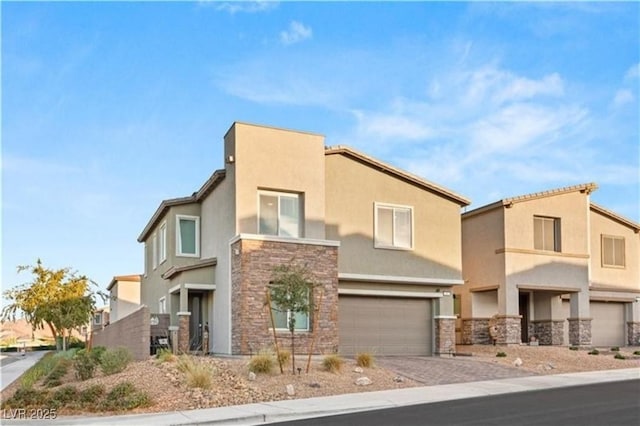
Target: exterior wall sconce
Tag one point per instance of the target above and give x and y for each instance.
(230, 159)
(446, 293)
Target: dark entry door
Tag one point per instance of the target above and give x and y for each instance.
(195, 321)
(524, 312)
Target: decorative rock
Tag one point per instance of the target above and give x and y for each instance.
(252, 376)
(290, 390)
(550, 366)
(398, 379)
(363, 381)
(314, 385)
(358, 370)
(517, 362)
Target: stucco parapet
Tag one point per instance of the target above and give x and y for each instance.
(623, 220)
(274, 239)
(541, 252)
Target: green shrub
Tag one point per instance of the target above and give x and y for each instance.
(501, 355)
(594, 352)
(262, 362)
(284, 356)
(573, 348)
(636, 352)
(84, 364)
(615, 349)
(364, 359)
(26, 397)
(115, 360)
(165, 355)
(68, 354)
(91, 394)
(63, 396)
(619, 356)
(332, 363)
(54, 377)
(96, 353)
(124, 396)
(38, 370)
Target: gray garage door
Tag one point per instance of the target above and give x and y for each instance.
(607, 325)
(384, 325)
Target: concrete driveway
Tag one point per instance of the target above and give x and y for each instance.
(441, 371)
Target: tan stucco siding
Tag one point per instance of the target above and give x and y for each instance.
(278, 160)
(483, 235)
(352, 190)
(125, 299)
(625, 277)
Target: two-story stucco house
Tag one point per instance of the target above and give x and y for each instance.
(550, 267)
(384, 245)
(124, 296)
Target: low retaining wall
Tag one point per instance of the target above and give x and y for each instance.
(133, 332)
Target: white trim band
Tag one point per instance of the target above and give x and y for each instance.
(276, 239)
(183, 313)
(389, 293)
(398, 279)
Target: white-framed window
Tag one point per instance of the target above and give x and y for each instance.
(613, 251)
(162, 305)
(393, 226)
(279, 213)
(546, 233)
(155, 251)
(97, 318)
(281, 319)
(162, 243)
(187, 236)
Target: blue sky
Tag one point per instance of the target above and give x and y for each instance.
(108, 108)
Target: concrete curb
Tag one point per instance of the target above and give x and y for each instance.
(279, 411)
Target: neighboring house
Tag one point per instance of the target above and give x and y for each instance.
(124, 296)
(100, 319)
(384, 245)
(551, 266)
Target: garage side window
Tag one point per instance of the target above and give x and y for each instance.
(393, 226)
(613, 251)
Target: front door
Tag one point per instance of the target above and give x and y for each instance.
(524, 312)
(195, 321)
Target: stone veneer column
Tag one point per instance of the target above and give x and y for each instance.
(183, 332)
(252, 266)
(445, 342)
(509, 332)
(633, 333)
(475, 331)
(549, 332)
(580, 331)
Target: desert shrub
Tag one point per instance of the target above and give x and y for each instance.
(262, 362)
(573, 348)
(26, 397)
(114, 361)
(332, 363)
(594, 352)
(68, 354)
(284, 356)
(364, 359)
(84, 364)
(501, 355)
(63, 396)
(199, 375)
(74, 342)
(124, 396)
(38, 370)
(619, 356)
(636, 352)
(91, 394)
(615, 349)
(165, 355)
(96, 353)
(54, 378)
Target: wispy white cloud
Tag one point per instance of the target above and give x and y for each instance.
(633, 72)
(296, 33)
(240, 6)
(622, 97)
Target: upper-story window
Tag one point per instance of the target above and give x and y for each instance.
(162, 243)
(393, 226)
(97, 318)
(279, 214)
(187, 236)
(612, 251)
(546, 233)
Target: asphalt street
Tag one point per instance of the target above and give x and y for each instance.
(603, 404)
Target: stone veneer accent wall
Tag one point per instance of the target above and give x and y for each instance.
(549, 332)
(633, 333)
(251, 271)
(445, 336)
(132, 332)
(475, 331)
(183, 333)
(580, 331)
(509, 332)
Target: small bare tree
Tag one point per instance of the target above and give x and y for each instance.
(292, 293)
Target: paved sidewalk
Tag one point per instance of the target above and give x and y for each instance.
(270, 412)
(11, 371)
